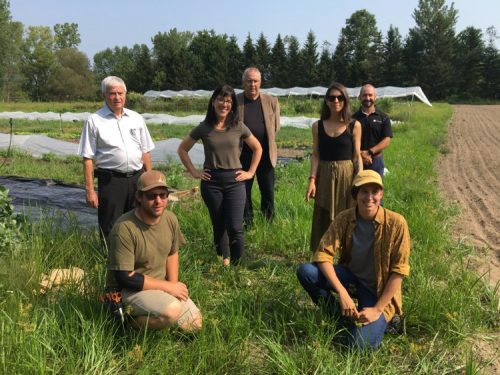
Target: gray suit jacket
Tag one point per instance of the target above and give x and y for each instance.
(271, 111)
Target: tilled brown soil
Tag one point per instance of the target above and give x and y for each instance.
(469, 175)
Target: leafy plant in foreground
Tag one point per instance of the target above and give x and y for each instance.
(10, 235)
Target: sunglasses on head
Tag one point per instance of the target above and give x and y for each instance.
(332, 98)
(153, 196)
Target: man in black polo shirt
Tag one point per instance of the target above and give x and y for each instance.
(261, 113)
(376, 129)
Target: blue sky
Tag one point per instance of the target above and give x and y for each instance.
(110, 23)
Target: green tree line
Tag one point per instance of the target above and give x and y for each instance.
(41, 63)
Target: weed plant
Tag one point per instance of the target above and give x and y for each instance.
(48, 166)
(257, 319)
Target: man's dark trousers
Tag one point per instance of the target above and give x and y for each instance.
(377, 165)
(265, 180)
(116, 195)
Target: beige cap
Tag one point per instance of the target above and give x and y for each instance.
(150, 180)
(367, 176)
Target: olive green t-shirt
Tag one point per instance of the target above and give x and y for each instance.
(137, 246)
(222, 147)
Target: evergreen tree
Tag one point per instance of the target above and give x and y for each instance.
(325, 65)
(309, 61)
(293, 61)
(430, 47)
(249, 58)
(278, 68)
(392, 69)
(412, 54)
(235, 65)
(469, 60)
(263, 58)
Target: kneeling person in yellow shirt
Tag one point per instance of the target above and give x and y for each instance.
(374, 247)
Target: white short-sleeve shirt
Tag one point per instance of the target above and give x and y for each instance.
(115, 143)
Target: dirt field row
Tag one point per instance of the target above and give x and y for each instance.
(469, 175)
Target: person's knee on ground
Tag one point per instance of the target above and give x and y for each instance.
(309, 276)
(368, 340)
(174, 315)
(190, 321)
(168, 318)
(190, 318)
(304, 273)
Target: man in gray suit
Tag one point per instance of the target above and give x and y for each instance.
(261, 113)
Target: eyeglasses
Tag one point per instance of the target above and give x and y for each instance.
(332, 98)
(153, 196)
(224, 101)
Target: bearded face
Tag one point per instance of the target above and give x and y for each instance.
(367, 96)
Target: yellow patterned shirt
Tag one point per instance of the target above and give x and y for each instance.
(392, 249)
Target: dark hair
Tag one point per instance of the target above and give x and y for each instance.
(354, 192)
(346, 111)
(233, 117)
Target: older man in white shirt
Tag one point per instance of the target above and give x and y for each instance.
(117, 141)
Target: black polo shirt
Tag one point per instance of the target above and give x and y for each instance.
(374, 127)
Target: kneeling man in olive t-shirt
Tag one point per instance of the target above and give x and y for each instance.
(144, 261)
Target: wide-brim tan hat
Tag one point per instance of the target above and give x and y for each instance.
(150, 180)
(367, 176)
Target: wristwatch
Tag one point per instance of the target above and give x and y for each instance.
(370, 152)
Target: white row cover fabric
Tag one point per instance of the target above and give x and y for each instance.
(37, 145)
(382, 92)
(150, 118)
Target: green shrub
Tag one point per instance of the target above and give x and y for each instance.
(49, 156)
(10, 234)
(385, 105)
(135, 101)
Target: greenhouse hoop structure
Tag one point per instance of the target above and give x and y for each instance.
(382, 92)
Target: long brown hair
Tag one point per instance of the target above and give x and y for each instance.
(346, 111)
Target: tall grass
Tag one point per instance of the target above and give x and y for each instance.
(257, 319)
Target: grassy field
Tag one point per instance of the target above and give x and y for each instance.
(257, 319)
(70, 130)
(290, 106)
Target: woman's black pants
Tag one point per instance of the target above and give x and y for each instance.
(225, 200)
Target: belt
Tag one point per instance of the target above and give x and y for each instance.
(119, 174)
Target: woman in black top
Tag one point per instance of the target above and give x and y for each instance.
(335, 160)
(222, 187)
